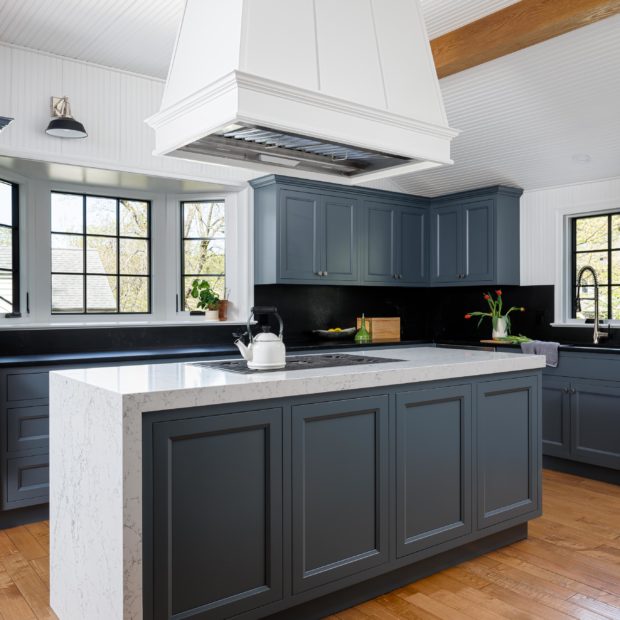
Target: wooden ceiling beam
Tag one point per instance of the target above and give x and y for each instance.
(517, 26)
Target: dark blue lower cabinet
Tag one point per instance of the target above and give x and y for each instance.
(595, 417)
(556, 416)
(340, 489)
(433, 467)
(217, 514)
(508, 448)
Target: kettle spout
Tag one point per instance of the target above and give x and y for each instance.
(246, 352)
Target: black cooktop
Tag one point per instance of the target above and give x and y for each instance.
(300, 362)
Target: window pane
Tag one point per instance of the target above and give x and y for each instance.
(67, 213)
(101, 293)
(6, 248)
(615, 267)
(615, 302)
(6, 291)
(217, 282)
(101, 255)
(591, 233)
(67, 293)
(134, 256)
(68, 253)
(100, 216)
(134, 218)
(206, 256)
(203, 219)
(598, 261)
(134, 294)
(587, 303)
(615, 231)
(6, 203)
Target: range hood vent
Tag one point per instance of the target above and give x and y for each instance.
(333, 89)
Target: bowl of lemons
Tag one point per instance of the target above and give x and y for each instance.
(335, 332)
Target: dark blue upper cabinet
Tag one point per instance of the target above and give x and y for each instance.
(475, 238)
(322, 233)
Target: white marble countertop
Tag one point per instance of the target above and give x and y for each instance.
(162, 386)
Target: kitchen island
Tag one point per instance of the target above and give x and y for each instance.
(180, 491)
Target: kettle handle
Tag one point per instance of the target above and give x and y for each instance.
(265, 310)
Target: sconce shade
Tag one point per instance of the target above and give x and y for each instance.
(66, 127)
(5, 121)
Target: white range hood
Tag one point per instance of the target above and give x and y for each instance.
(341, 90)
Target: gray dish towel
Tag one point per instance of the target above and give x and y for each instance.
(539, 347)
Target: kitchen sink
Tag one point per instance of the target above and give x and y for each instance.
(300, 362)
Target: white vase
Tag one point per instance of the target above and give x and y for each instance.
(500, 328)
(212, 315)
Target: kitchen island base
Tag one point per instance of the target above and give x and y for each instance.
(214, 495)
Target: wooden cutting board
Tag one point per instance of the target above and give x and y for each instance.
(382, 328)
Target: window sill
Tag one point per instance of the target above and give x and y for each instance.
(17, 324)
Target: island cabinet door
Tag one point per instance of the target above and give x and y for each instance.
(508, 450)
(433, 467)
(340, 489)
(217, 515)
(556, 416)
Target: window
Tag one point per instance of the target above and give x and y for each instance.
(596, 242)
(9, 247)
(101, 255)
(203, 225)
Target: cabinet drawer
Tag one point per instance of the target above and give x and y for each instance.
(27, 428)
(27, 480)
(27, 386)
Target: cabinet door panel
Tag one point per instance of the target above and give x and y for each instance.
(27, 428)
(446, 253)
(555, 416)
(595, 417)
(479, 242)
(413, 251)
(508, 445)
(299, 229)
(339, 236)
(380, 251)
(217, 562)
(433, 467)
(27, 481)
(339, 489)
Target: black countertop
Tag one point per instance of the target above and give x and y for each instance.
(206, 351)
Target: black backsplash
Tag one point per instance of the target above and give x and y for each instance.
(426, 313)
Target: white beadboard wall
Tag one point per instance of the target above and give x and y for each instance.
(542, 217)
(112, 104)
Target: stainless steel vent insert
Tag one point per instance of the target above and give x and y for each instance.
(266, 146)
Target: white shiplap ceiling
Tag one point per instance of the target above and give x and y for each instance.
(522, 117)
(138, 35)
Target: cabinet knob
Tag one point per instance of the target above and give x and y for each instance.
(573, 391)
(325, 273)
(565, 390)
(400, 275)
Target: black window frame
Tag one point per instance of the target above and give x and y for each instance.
(184, 239)
(15, 271)
(117, 237)
(609, 284)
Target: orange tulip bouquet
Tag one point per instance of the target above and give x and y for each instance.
(500, 320)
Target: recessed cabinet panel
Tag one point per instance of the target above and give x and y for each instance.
(340, 234)
(340, 490)
(27, 481)
(299, 227)
(217, 514)
(413, 242)
(433, 467)
(380, 260)
(479, 240)
(27, 386)
(27, 428)
(447, 244)
(596, 423)
(556, 416)
(508, 450)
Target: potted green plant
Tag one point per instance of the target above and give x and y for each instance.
(499, 319)
(206, 298)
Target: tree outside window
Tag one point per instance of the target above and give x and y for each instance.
(9, 247)
(203, 226)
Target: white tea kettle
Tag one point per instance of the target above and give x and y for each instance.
(266, 351)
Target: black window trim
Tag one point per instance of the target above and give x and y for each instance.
(15, 266)
(84, 234)
(184, 239)
(608, 285)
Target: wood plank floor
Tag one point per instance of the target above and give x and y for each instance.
(568, 568)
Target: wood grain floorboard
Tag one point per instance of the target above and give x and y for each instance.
(568, 568)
